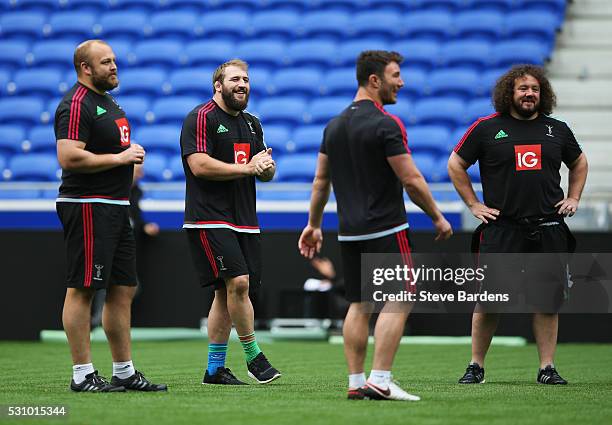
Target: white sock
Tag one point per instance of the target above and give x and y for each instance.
(80, 370)
(380, 378)
(357, 380)
(123, 370)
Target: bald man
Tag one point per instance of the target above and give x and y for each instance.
(97, 160)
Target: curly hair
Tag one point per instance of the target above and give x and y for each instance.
(503, 92)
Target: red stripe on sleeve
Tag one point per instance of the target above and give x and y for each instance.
(201, 126)
(472, 127)
(75, 113)
(399, 123)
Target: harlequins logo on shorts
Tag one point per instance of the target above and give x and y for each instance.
(222, 129)
(500, 135)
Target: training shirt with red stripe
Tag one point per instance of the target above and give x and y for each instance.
(232, 139)
(99, 122)
(519, 162)
(369, 195)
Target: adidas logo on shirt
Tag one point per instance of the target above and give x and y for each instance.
(222, 129)
(500, 135)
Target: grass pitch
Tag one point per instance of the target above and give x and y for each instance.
(313, 387)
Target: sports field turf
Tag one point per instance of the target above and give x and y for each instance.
(312, 389)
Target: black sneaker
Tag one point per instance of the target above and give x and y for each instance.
(261, 370)
(96, 384)
(549, 376)
(222, 376)
(474, 374)
(139, 383)
(356, 393)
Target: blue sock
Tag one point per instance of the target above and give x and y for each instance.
(216, 357)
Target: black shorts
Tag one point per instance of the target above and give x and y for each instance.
(396, 243)
(100, 246)
(219, 254)
(534, 264)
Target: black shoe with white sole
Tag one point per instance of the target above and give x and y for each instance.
(222, 376)
(474, 374)
(96, 384)
(261, 370)
(138, 382)
(549, 376)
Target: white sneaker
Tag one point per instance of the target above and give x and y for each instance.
(394, 392)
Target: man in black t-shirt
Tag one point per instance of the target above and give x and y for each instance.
(520, 149)
(365, 156)
(223, 151)
(97, 160)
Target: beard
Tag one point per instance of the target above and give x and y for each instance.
(525, 113)
(386, 94)
(232, 102)
(103, 83)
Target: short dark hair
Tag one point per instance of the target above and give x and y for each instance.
(81, 53)
(503, 92)
(374, 62)
(219, 74)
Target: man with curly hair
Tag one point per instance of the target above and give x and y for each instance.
(520, 149)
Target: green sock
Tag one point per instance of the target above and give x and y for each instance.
(250, 347)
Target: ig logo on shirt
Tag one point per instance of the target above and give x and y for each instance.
(124, 131)
(528, 157)
(242, 152)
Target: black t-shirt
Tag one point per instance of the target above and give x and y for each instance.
(369, 195)
(99, 122)
(232, 139)
(519, 162)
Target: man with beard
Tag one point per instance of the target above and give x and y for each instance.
(365, 155)
(97, 159)
(223, 151)
(520, 149)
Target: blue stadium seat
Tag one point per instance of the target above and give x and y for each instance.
(22, 110)
(296, 168)
(140, 5)
(20, 193)
(208, 53)
(489, 78)
(124, 24)
(457, 134)
(141, 81)
(41, 138)
(53, 53)
(532, 25)
(162, 139)
(259, 79)
(296, 81)
(424, 54)
(377, 24)
(293, 5)
(5, 79)
(344, 5)
(460, 83)
(439, 111)
(348, 51)
(556, 7)
(467, 53)
(478, 108)
(401, 109)
(98, 6)
(503, 6)
(159, 52)
(479, 25)
(13, 53)
(224, 24)
(278, 138)
(70, 25)
(321, 110)
(175, 166)
(429, 24)
(340, 82)
(193, 6)
(474, 172)
(49, 109)
(34, 167)
(395, 6)
(135, 107)
(122, 49)
(262, 52)
(45, 6)
(282, 110)
(178, 24)
(312, 52)
(415, 82)
(430, 139)
(308, 138)
(11, 139)
(37, 82)
(325, 24)
(154, 168)
(508, 53)
(191, 81)
(278, 24)
(173, 109)
(429, 166)
(22, 25)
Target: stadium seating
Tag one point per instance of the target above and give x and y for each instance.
(301, 56)
(34, 167)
